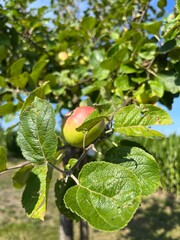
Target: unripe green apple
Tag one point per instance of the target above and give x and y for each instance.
(145, 98)
(73, 120)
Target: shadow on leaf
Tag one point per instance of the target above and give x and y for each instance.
(30, 195)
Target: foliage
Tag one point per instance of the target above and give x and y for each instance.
(11, 144)
(8, 140)
(152, 212)
(167, 152)
(59, 57)
(2, 138)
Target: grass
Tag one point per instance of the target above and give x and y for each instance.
(158, 218)
(14, 224)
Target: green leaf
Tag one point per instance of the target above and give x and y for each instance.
(109, 64)
(148, 51)
(100, 74)
(101, 112)
(3, 52)
(171, 27)
(122, 55)
(174, 54)
(113, 62)
(88, 23)
(157, 88)
(17, 67)
(64, 79)
(3, 158)
(2, 83)
(153, 27)
(39, 92)
(122, 82)
(126, 69)
(97, 85)
(20, 177)
(167, 46)
(34, 198)
(19, 81)
(7, 109)
(113, 50)
(114, 35)
(178, 5)
(140, 162)
(37, 70)
(132, 120)
(139, 80)
(97, 57)
(170, 81)
(36, 136)
(107, 195)
(61, 188)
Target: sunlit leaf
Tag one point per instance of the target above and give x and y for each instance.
(34, 198)
(140, 162)
(38, 92)
(7, 108)
(107, 195)
(36, 132)
(133, 120)
(17, 67)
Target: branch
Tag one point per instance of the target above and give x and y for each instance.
(14, 167)
(152, 72)
(69, 172)
(58, 169)
(83, 155)
(143, 11)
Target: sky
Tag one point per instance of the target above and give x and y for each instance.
(174, 113)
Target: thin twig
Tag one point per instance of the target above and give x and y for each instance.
(14, 167)
(84, 153)
(144, 11)
(69, 172)
(152, 72)
(58, 169)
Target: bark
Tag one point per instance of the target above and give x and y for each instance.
(84, 230)
(66, 229)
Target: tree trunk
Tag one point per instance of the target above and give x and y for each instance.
(84, 230)
(66, 228)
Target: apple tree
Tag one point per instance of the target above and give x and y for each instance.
(120, 58)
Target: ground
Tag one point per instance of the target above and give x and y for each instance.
(158, 218)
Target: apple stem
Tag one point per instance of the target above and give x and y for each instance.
(109, 131)
(84, 140)
(113, 143)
